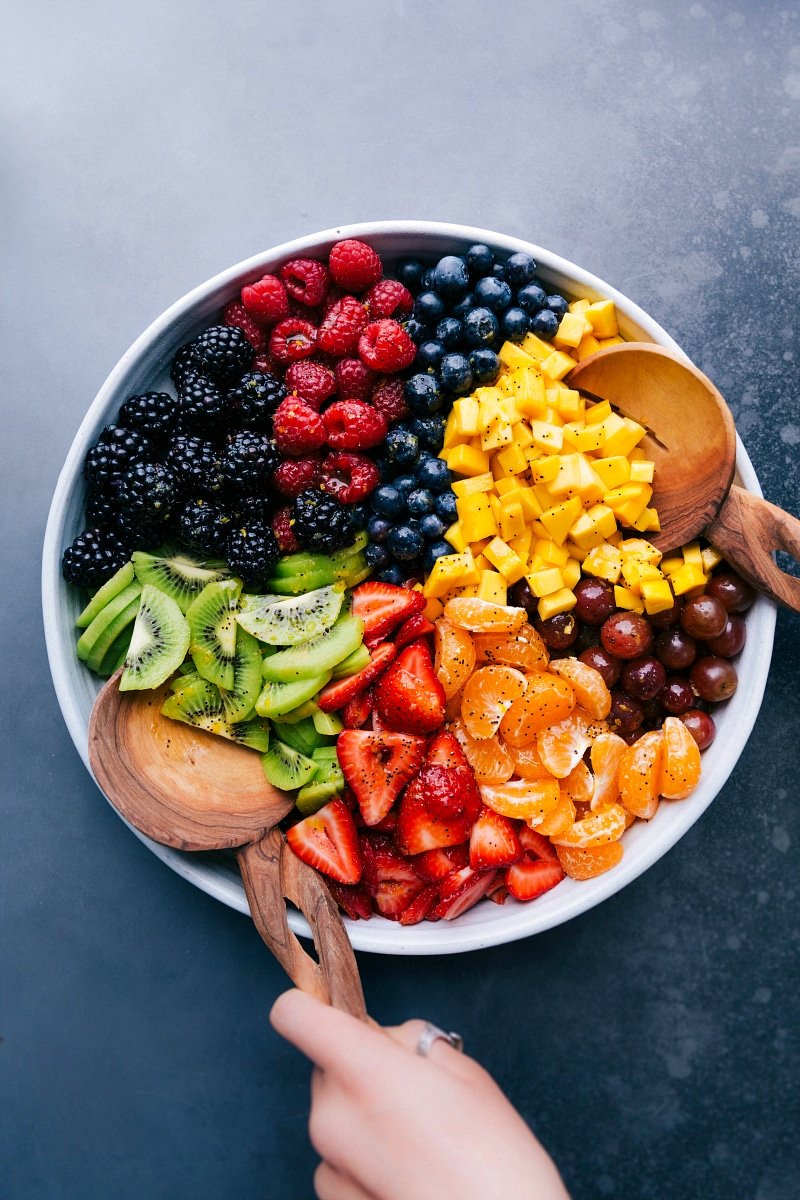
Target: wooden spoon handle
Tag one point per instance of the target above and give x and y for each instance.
(270, 872)
(747, 529)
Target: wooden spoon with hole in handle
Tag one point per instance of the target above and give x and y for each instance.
(692, 440)
(192, 790)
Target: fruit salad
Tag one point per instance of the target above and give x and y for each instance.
(373, 535)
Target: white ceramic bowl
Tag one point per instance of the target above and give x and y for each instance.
(145, 366)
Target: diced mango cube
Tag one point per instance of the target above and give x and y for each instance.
(693, 554)
(451, 434)
(586, 346)
(672, 564)
(466, 412)
(625, 438)
(602, 317)
(610, 341)
(641, 548)
(492, 587)
(501, 556)
(511, 520)
(467, 460)
(579, 306)
(545, 581)
(535, 347)
(648, 521)
(613, 471)
(500, 434)
(521, 544)
(558, 519)
(570, 405)
(546, 436)
(585, 533)
(588, 439)
(688, 577)
(642, 471)
(604, 562)
(711, 558)
(549, 552)
(433, 609)
(625, 598)
(473, 484)
(595, 413)
(557, 365)
(529, 393)
(513, 459)
(557, 602)
(571, 573)
(455, 536)
(450, 571)
(657, 595)
(572, 327)
(513, 355)
(476, 517)
(544, 468)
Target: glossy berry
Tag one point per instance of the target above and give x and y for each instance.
(515, 324)
(388, 397)
(423, 394)
(354, 265)
(732, 639)
(405, 543)
(463, 306)
(480, 260)
(449, 332)
(429, 308)
(446, 507)
(558, 305)
(456, 374)
(292, 339)
(626, 714)
(401, 446)
(519, 269)
(306, 280)
(94, 556)
(429, 354)
(430, 431)
(643, 678)
(235, 313)
(484, 364)
(349, 477)
(146, 494)
(419, 502)
(204, 408)
(294, 475)
(255, 398)
(377, 555)
(714, 678)
(267, 300)
(354, 380)
(703, 617)
(388, 501)
(532, 299)
(385, 346)
(480, 327)
(341, 327)
(249, 461)
(392, 574)
(737, 595)
(676, 696)
(222, 352)
(282, 525)
(701, 726)
(409, 271)
(432, 527)
(405, 483)
(626, 635)
(436, 550)
(675, 648)
(251, 552)
(378, 529)
(435, 475)
(115, 450)
(606, 664)
(297, 428)
(558, 632)
(311, 381)
(353, 425)
(493, 293)
(321, 523)
(450, 277)
(595, 600)
(545, 324)
(153, 414)
(203, 526)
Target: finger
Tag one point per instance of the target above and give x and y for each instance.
(329, 1037)
(439, 1051)
(330, 1184)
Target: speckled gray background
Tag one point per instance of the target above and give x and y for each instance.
(653, 1042)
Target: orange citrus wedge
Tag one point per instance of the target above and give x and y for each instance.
(488, 695)
(547, 699)
(524, 649)
(455, 656)
(489, 758)
(526, 799)
(590, 861)
(680, 764)
(640, 775)
(588, 684)
(606, 826)
(482, 616)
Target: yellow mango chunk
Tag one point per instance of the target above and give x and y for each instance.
(545, 581)
(557, 365)
(473, 484)
(450, 571)
(604, 561)
(602, 317)
(467, 460)
(513, 459)
(513, 355)
(511, 520)
(687, 578)
(558, 519)
(492, 587)
(657, 595)
(466, 412)
(501, 556)
(572, 327)
(625, 598)
(476, 517)
(557, 602)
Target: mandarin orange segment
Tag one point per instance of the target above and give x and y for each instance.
(640, 775)
(595, 830)
(530, 800)
(559, 820)
(488, 695)
(606, 755)
(562, 746)
(579, 784)
(589, 686)
(547, 699)
(680, 763)
(455, 656)
(482, 616)
(489, 759)
(524, 649)
(527, 763)
(590, 861)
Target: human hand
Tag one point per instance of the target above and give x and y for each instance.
(390, 1124)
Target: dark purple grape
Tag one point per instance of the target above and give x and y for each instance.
(667, 616)
(675, 648)
(643, 678)
(714, 678)
(558, 632)
(677, 695)
(626, 635)
(603, 662)
(701, 726)
(732, 639)
(522, 597)
(703, 617)
(732, 590)
(595, 600)
(626, 714)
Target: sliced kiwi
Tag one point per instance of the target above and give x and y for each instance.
(306, 709)
(358, 544)
(328, 781)
(325, 754)
(328, 724)
(358, 569)
(211, 618)
(298, 564)
(197, 702)
(116, 653)
(96, 639)
(296, 585)
(179, 576)
(159, 642)
(287, 768)
(319, 654)
(277, 699)
(300, 735)
(290, 622)
(240, 701)
(355, 662)
(253, 733)
(111, 588)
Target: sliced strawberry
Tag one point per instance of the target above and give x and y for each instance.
(353, 898)
(390, 879)
(536, 843)
(436, 864)
(445, 751)
(449, 791)
(418, 829)
(415, 627)
(392, 898)
(461, 890)
(498, 892)
(388, 824)
(377, 766)
(493, 841)
(410, 697)
(358, 710)
(328, 840)
(342, 691)
(383, 606)
(530, 878)
(420, 907)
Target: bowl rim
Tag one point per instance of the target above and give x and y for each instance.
(218, 878)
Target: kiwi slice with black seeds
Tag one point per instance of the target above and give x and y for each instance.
(96, 640)
(179, 576)
(211, 617)
(293, 621)
(304, 710)
(159, 642)
(300, 735)
(277, 699)
(329, 724)
(355, 662)
(317, 654)
(197, 702)
(240, 701)
(111, 588)
(287, 768)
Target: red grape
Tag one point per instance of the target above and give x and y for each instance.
(595, 600)
(626, 635)
(701, 726)
(703, 617)
(667, 616)
(732, 639)
(676, 649)
(714, 678)
(677, 695)
(732, 590)
(626, 714)
(558, 632)
(603, 662)
(643, 678)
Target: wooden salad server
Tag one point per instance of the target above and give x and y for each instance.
(192, 790)
(692, 440)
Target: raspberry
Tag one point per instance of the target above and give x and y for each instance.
(354, 265)
(281, 524)
(388, 298)
(354, 379)
(297, 428)
(294, 475)
(349, 477)
(266, 300)
(385, 346)
(292, 339)
(352, 425)
(236, 314)
(311, 382)
(341, 326)
(306, 280)
(389, 399)
(265, 364)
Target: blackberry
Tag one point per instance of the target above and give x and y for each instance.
(203, 406)
(197, 464)
(204, 526)
(93, 557)
(153, 414)
(254, 399)
(115, 451)
(252, 551)
(223, 353)
(252, 508)
(322, 523)
(146, 496)
(249, 461)
(102, 507)
(183, 363)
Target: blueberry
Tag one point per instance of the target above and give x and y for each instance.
(429, 354)
(430, 431)
(520, 269)
(494, 293)
(427, 278)
(392, 574)
(405, 483)
(545, 324)
(480, 327)
(515, 324)
(499, 271)
(531, 298)
(557, 304)
(409, 271)
(432, 527)
(401, 446)
(485, 365)
(423, 394)
(450, 278)
(387, 501)
(378, 529)
(435, 475)
(416, 330)
(461, 309)
(456, 374)
(448, 332)
(358, 516)
(446, 507)
(377, 556)
(428, 308)
(419, 502)
(437, 550)
(480, 260)
(405, 543)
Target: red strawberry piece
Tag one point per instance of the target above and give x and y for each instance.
(391, 880)
(311, 381)
(349, 477)
(388, 298)
(389, 398)
(354, 379)
(328, 840)
(266, 299)
(537, 844)
(493, 841)
(377, 766)
(445, 751)
(383, 606)
(294, 475)
(341, 327)
(352, 898)
(356, 712)
(236, 314)
(461, 890)
(306, 280)
(385, 346)
(388, 825)
(530, 878)
(354, 265)
(498, 892)
(353, 425)
(411, 699)
(436, 864)
(297, 428)
(292, 339)
(418, 829)
(449, 791)
(342, 691)
(415, 627)
(421, 906)
(282, 526)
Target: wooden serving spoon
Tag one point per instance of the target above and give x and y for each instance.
(692, 440)
(192, 790)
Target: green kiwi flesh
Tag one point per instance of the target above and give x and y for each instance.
(277, 699)
(296, 585)
(159, 642)
(117, 652)
(96, 640)
(355, 662)
(340, 557)
(111, 588)
(287, 768)
(327, 724)
(239, 701)
(179, 576)
(197, 702)
(300, 735)
(307, 709)
(211, 618)
(328, 781)
(290, 622)
(318, 654)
